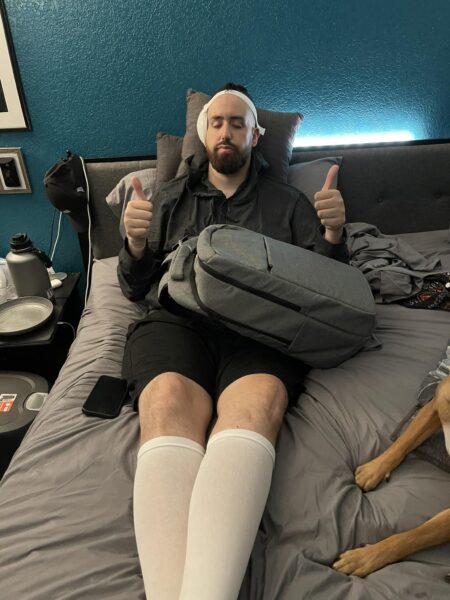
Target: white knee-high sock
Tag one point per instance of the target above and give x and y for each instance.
(166, 470)
(227, 503)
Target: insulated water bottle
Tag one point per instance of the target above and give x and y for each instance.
(28, 267)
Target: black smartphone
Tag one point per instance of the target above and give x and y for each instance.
(106, 398)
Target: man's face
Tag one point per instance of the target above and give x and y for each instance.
(230, 135)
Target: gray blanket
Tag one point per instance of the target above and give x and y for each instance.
(66, 522)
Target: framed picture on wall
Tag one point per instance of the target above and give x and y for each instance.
(13, 111)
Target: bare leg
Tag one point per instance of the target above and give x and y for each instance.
(263, 410)
(425, 424)
(172, 404)
(363, 561)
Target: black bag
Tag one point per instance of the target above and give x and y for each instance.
(67, 189)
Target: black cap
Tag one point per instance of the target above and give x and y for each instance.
(20, 242)
(66, 188)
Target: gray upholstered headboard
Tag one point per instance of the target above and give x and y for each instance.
(399, 188)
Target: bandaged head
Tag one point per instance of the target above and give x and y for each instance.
(202, 121)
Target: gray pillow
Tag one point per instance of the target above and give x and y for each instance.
(119, 197)
(168, 154)
(275, 145)
(309, 177)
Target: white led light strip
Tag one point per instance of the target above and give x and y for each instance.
(358, 138)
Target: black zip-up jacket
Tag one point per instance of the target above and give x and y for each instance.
(186, 205)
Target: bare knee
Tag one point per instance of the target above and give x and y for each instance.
(257, 402)
(269, 399)
(172, 404)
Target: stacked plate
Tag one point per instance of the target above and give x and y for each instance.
(24, 314)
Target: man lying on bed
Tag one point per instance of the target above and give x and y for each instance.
(197, 512)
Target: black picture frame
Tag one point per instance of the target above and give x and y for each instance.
(13, 110)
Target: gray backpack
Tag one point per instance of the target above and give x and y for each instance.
(304, 304)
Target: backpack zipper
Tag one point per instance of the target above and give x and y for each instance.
(247, 288)
(219, 317)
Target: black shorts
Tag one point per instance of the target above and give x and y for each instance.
(209, 354)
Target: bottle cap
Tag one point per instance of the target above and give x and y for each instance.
(20, 242)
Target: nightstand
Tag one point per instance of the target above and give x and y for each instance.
(44, 350)
(22, 395)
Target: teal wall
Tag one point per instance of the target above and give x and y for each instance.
(103, 76)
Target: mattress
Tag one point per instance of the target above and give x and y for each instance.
(66, 522)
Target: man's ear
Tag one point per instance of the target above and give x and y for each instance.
(256, 135)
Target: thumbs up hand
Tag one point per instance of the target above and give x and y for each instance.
(330, 208)
(137, 218)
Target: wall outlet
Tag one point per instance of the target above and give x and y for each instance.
(13, 174)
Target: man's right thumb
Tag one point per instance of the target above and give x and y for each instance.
(137, 186)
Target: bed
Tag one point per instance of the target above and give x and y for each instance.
(66, 523)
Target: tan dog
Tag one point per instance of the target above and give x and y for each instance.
(362, 561)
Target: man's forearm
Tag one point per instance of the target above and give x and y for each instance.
(135, 275)
(137, 251)
(334, 236)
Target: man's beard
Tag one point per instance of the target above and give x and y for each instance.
(228, 164)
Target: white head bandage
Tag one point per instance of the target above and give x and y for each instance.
(202, 121)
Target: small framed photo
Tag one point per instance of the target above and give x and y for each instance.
(13, 173)
(13, 110)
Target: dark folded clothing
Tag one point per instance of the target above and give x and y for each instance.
(393, 268)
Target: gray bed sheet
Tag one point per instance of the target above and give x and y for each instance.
(66, 523)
